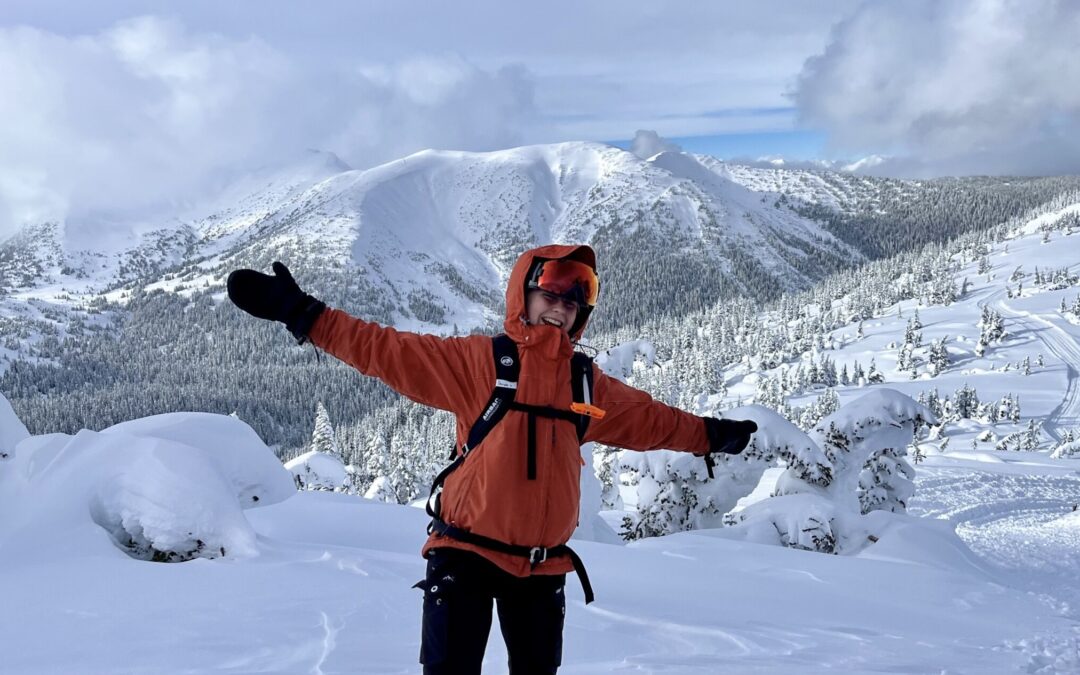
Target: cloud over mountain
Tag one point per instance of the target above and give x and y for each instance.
(958, 87)
(98, 126)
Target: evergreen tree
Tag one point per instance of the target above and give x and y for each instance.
(323, 438)
(1032, 436)
(872, 375)
(939, 356)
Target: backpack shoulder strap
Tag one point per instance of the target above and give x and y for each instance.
(581, 385)
(502, 397)
(507, 368)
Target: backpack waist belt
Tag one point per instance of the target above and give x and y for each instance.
(534, 554)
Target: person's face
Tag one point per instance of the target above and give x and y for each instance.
(542, 307)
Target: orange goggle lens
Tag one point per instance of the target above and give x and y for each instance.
(567, 278)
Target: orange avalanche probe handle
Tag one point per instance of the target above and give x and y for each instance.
(588, 410)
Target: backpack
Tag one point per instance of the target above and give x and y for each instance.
(507, 368)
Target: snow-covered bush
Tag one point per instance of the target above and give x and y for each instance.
(1068, 447)
(671, 491)
(619, 361)
(857, 467)
(165, 488)
(668, 492)
(315, 470)
(866, 441)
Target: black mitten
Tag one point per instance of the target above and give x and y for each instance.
(275, 298)
(729, 436)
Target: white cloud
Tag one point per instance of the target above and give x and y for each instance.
(647, 143)
(970, 86)
(99, 127)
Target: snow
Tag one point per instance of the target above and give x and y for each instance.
(170, 485)
(12, 430)
(980, 575)
(320, 581)
(619, 361)
(317, 470)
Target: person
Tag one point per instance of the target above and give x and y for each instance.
(505, 509)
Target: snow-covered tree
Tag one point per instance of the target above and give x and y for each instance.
(1032, 436)
(991, 330)
(1068, 447)
(872, 375)
(938, 357)
(322, 437)
(826, 404)
(670, 492)
(862, 447)
(965, 403)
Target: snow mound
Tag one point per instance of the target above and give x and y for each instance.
(12, 429)
(315, 470)
(166, 488)
(249, 467)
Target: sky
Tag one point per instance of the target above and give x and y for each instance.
(118, 105)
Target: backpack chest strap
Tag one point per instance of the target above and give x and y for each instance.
(534, 411)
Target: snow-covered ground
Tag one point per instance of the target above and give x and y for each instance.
(981, 576)
(323, 582)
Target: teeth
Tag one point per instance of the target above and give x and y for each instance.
(553, 322)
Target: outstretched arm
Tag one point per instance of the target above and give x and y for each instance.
(636, 421)
(428, 369)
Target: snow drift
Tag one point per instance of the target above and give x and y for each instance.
(166, 488)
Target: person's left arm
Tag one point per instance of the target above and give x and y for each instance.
(636, 421)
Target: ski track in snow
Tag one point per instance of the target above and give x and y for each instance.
(1020, 524)
(1063, 346)
(329, 641)
(1025, 528)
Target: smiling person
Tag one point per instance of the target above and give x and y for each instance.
(525, 401)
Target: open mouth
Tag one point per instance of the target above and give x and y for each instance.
(552, 322)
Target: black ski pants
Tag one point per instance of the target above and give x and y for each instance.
(459, 590)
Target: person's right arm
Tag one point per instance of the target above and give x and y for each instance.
(428, 369)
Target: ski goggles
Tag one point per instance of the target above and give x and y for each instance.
(566, 278)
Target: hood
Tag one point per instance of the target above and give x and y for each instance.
(515, 325)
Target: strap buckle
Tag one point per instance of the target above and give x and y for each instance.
(537, 555)
(588, 410)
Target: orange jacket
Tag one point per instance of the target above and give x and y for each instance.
(489, 493)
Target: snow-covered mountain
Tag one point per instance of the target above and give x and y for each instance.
(437, 232)
(427, 241)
